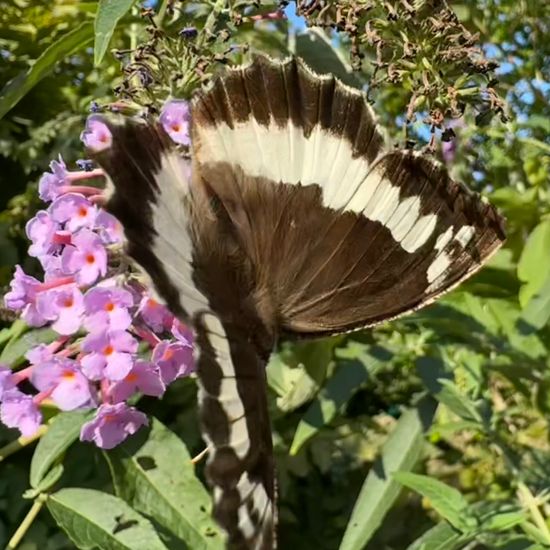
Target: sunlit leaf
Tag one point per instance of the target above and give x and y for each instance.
(537, 310)
(153, 472)
(68, 44)
(93, 519)
(446, 500)
(109, 13)
(534, 263)
(443, 536)
(380, 490)
(316, 48)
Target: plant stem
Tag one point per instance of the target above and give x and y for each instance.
(200, 456)
(27, 522)
(18, 444)
(161, 13)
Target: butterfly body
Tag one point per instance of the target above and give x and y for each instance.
(294, 221)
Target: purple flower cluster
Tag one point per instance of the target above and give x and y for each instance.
(101, 315)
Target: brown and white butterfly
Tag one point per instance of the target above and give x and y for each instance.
(297, 221)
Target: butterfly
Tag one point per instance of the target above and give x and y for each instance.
(295, 221)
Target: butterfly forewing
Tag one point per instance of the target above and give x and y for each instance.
(342, 233)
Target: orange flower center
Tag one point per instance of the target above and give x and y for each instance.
(168, 354)
(176, 127)
(68, 375)
(108, 350)
(109, 306)
(82, 211)
(68, 302)
(132, 377)
(90, 258)
(152, 303)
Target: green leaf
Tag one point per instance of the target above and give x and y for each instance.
(14, 352)
(93, 519)
(154, 474)
(14, 331)
(346, 380)
(109, 13)
(504, 521)
(440, 537)
(303, 367)
(458, 402)
(534, 263)
(535, 533)
(446, 500)
(437, 381)
(316, 48)
(62, 433)
(68, 44)
(401, 451)
(47, 482)
(537, 311)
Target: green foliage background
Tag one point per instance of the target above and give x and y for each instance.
(456, 398)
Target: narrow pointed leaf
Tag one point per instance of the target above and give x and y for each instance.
(445, 500)
(109, 13)
(440, 537)
(316, 48)
(68, 44)
(380, 490)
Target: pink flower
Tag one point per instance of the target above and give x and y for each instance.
(64, 306)
(109, 355)
(174, 359)
(154, 314)
(175, 118)
(23, 290)
(182, 332)
(51, 183)
(18, 410)
(22, 295)
(96, 135)
(86, 259)
(112, 425)
(41, 232)
(107, 308)
(69, 388)
(73, 210)
(144, 378)
(6, 380)
(52, 267)
(108, 228)
(39, 354)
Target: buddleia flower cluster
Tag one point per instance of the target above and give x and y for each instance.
(113, 339)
